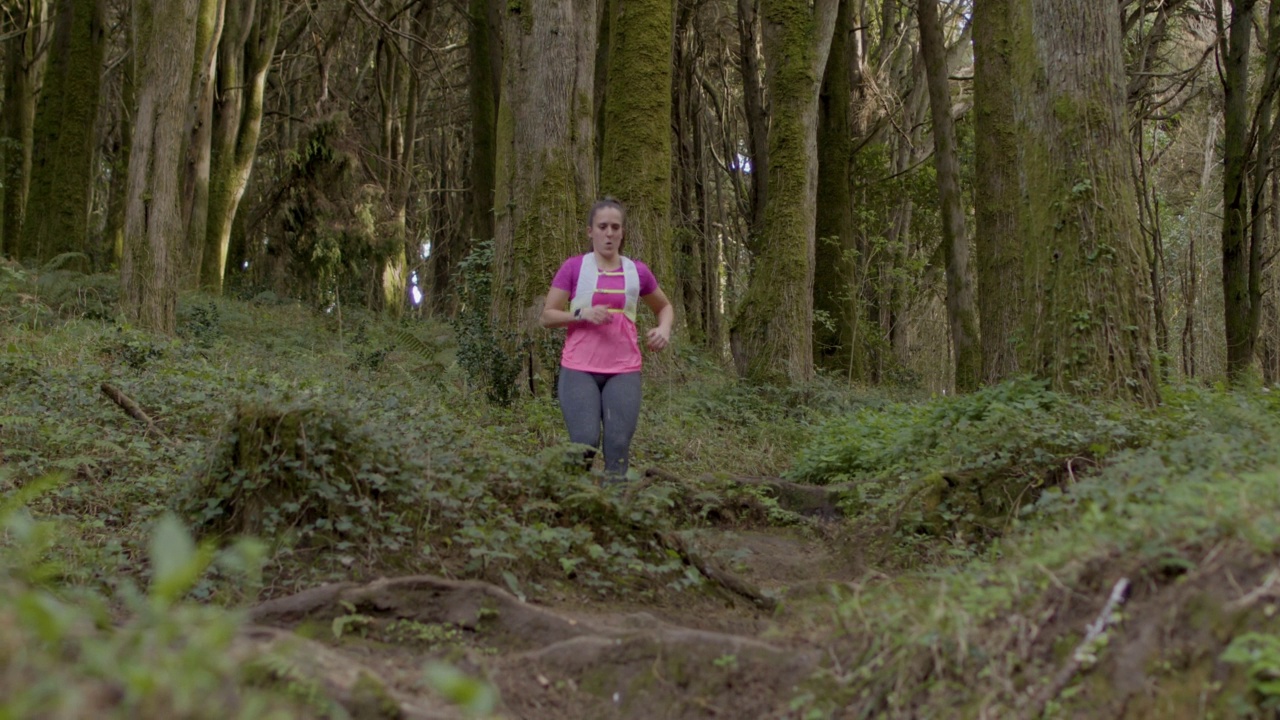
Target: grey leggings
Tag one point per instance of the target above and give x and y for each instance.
(589, 400)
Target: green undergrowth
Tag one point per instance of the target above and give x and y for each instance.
(960, 468)
(1187, 517)
(74, 651)
(373, 451)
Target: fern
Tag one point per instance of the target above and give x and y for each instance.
(59, 261)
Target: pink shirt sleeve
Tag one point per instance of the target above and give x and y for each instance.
(566, 278)
(648, 283)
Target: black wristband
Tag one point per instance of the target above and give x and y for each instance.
(577, 313)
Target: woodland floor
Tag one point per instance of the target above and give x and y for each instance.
(713, 654)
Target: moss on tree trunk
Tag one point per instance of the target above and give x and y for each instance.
(164, 47)
(771, 336)
(835, 291)
(17, 118)
(244, 58)
(636, 162)
(57, 217)
(545, 152)
(1087, 319)
(1000, 223)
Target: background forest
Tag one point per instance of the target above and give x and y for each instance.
(969, 405)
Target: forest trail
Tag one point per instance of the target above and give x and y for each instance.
(710, 654)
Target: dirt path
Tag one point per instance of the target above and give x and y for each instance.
(712, 655)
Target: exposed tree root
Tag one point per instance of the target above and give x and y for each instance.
(283, 657)
(715, 574)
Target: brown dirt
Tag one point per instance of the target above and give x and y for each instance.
(718, 655)
(714, 654)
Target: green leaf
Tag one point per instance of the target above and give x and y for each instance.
(176, 563)
(476, 697)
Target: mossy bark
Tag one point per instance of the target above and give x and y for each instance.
(1247, 145)
(244, 58)
(835, 291)
(999, 32)
(196, 169)
(961, 317)
(1087, 320)
(57, 215)
(484, 81)
(164, 48)
(636, 161)
(545, 153)
(691, 235)
(757, 117)
(17, 118)
(772, 332)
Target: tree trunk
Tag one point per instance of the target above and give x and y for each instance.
(195, 178)
(636, 162)
(164, 46)
(753, 93)
(999, 37)
(772, 335)
(17, 118)
(961, 317)
(244, 57)
(545, 160)
(835, 279)
(1087, 323)
(57, 212)
(1264, 144)
(1238, 309)
(485, 70)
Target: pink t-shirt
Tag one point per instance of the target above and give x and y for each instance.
(613, 347)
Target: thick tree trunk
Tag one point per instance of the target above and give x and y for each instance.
(835, 278)
(636, 162)
(1088, 321)
(57, 212)
(244, 57)
(772, 335)
(164, 47)
(545, 161)
(999, 37)
(961, 316)
(17, 117)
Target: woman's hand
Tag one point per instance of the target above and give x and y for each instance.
(658, 338)
(596, 314)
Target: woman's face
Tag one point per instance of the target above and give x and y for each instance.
(606, 232)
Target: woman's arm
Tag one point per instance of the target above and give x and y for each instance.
(660, 336)
(554, 314)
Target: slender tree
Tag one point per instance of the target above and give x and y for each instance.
(771, 337)
(961, 316)
(835, 292)
(57, 214)
(21, 24)
(484, 81)
(999, 37)
(1248, 140)
(199, 145)
(164, 35)
(245, 48)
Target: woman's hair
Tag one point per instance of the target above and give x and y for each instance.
(607, 202)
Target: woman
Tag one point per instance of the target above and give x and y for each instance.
(600, 366)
